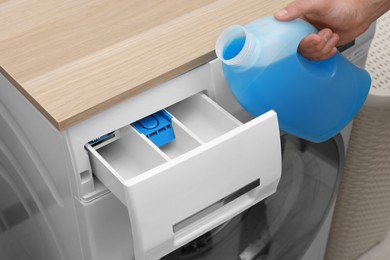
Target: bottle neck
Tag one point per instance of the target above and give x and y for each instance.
(237, 47)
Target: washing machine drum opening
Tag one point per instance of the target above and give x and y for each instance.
(283, 225)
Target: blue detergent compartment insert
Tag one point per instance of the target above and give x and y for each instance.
(156, 127)
(313, 100)
(101, 139)
(104, 139)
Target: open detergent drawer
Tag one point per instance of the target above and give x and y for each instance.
(215, 168)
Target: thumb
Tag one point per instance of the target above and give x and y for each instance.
(292, 11)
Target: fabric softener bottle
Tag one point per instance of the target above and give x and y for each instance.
(314, 100)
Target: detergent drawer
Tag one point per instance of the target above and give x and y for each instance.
(215, 168)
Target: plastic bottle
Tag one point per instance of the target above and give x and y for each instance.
(314, 100)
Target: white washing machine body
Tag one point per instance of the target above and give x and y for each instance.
(52, 206)
(37, 215)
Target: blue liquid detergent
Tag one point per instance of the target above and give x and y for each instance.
(233, 48)
(313, 100)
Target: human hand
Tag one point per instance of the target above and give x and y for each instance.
(338, 21)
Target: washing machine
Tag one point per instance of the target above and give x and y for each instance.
(48, 213)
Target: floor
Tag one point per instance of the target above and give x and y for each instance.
(379, 252)
(382, 250)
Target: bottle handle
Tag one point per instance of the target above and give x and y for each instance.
(297, 30)
(321, 69)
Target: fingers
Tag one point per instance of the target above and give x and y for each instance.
(292, 11)
(319, 46)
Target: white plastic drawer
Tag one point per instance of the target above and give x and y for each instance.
(214, 169)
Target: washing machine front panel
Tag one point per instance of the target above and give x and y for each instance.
(22, 235)
(34, 163)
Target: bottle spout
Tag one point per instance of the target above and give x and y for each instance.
(236, 46)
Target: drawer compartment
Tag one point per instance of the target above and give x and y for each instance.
(214, 169)
(203, 117)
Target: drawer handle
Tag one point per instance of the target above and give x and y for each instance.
(213, 207)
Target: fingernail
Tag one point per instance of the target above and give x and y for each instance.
(334, 40)
(281, 13)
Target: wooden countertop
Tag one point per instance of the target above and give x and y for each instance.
(74, 58)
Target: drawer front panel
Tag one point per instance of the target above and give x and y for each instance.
(197, 182)
(169, 194)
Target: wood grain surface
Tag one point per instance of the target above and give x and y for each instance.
(74, 58)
